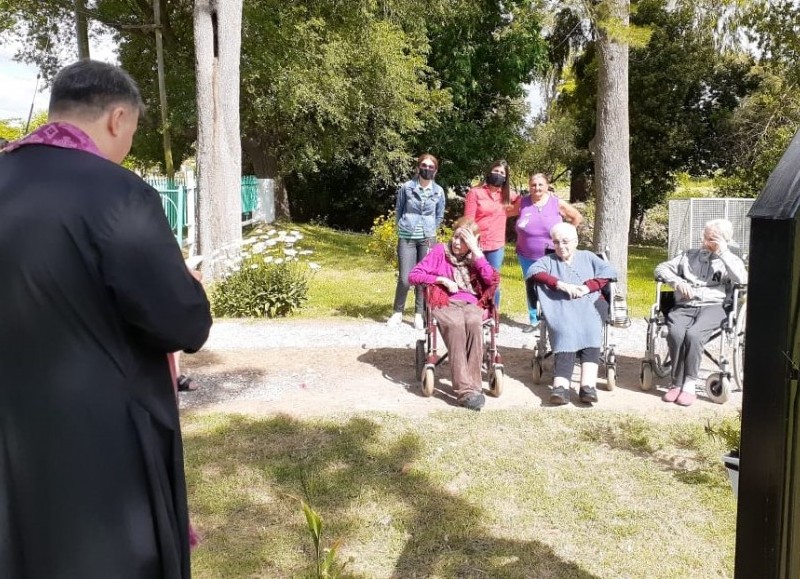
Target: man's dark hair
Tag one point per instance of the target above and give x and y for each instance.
(89, 87)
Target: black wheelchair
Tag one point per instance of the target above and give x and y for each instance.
(725, 348)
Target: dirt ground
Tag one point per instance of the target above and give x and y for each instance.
(318, 381)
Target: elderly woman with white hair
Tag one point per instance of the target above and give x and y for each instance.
(570, 281)
(702, 279)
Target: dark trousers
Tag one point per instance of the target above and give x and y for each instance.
(563, 362)
(461, 325)
(689, 328)
(409, 253)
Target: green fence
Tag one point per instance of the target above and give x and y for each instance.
(175, 200)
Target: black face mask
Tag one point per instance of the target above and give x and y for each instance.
(427, 173)
(495, 180)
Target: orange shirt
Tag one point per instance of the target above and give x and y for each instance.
(489, 212)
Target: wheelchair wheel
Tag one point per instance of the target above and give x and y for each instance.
(738, 347)
(658, 349)
(611, 377)
(646, 377)
(496, 377)
(718, 388)
(536, 366)
(611, 370)
(419, 358)
(428, 379)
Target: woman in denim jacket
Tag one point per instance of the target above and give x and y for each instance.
(419, 209)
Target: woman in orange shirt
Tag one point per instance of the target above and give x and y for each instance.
(489, 204)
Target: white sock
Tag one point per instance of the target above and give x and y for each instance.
(690, 386)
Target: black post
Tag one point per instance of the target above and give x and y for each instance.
(768, 518)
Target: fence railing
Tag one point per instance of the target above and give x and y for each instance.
(179, 196)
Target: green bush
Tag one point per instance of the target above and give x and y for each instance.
(383, 237)
(266, 276)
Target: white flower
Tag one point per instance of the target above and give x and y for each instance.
(259, 247)
(254, 266)
(314, 266)
(279, 260)
(291, 252)
(271, 232)
(306, 252)
(270, 242)
(268, 259)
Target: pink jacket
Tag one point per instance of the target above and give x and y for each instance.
(435, 264)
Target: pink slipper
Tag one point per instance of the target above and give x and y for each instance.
(672, 394)
(686, 399)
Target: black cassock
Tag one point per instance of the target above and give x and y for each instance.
(93, 294)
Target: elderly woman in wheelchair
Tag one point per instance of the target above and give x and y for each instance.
(570, 283)
(703, 280)
(460, 281)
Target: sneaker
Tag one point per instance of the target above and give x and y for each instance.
(395, 320)
(559, 396)
(419, 322)
(474, 401)
(529, 329)
(587, 394)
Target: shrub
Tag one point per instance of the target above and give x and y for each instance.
(265, 276)
(383, 237)
(728, 431)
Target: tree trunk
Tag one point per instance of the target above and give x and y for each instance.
(578, 186)
(218, 37)
(81, 29)
(612, 146)
(266, 166)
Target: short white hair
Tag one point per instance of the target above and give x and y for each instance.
(564, 229)
(723, 226)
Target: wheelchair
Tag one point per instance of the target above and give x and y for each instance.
(727, 355)
(427, 357)
(608, 360)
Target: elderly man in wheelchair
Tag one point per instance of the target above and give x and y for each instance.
(703, 280)
(460, 284)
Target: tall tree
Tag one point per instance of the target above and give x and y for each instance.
(218, 26)
(611, 143)
(483, 53)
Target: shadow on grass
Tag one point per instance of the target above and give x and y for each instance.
(398, 366)
(376, 311)
(247, 477)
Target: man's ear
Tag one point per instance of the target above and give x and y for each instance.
(116, 120)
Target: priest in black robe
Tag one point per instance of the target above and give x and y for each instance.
(94, 293)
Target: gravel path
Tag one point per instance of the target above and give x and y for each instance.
(234, 335)
(320, 367)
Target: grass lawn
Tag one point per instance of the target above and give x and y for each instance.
(526, 493)
(353, 283)
(506, 494)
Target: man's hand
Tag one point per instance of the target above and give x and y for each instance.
(685, 289)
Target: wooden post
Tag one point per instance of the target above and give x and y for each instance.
(162, 94)
(768, 521)
(82, 29)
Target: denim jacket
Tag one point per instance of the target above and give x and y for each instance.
(410, 207)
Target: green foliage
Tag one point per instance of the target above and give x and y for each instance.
(483, 53)
(728, 431)
(383, 237)
(326, 566)
(266, 276)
